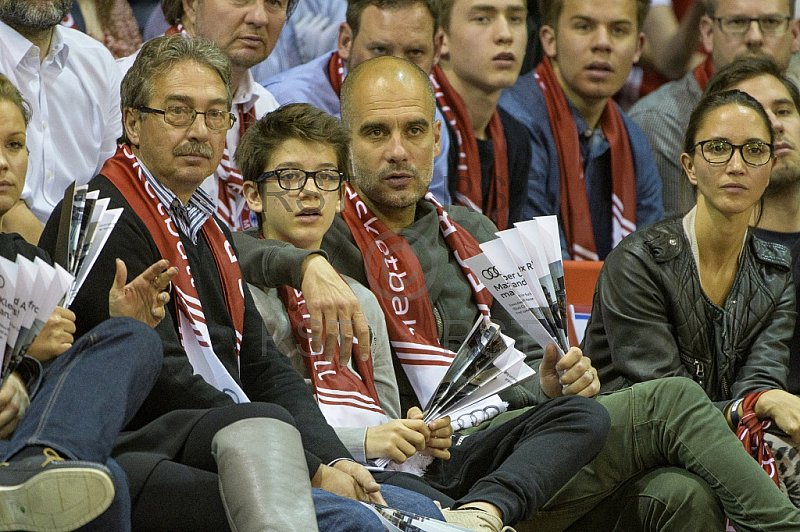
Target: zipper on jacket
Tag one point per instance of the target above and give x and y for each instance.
(699, 373)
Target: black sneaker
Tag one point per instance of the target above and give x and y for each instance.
(54, 495)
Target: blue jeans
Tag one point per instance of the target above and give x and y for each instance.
(338, 514)
(87, 395)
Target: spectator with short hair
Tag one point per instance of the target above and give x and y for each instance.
(591, 165)
(247, 33)
(484, 45)
(408, 29)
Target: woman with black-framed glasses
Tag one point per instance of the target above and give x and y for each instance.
(699, 296)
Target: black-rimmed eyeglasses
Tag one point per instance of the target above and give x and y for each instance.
(719, 152)
(295, 179)
(182, 116)
(738, 25)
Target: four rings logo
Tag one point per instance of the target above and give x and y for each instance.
(490, 273)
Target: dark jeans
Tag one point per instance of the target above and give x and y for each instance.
(86, 396)
(519, 464)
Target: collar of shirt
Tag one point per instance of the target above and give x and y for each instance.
(188, 218)
(245, 93)
(17, 47)
(593, 141)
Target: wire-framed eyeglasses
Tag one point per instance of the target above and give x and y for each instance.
(719, 152)
(182, 116)
(738, 25)
(295, 179)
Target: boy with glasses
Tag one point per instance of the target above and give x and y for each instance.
(297, 198)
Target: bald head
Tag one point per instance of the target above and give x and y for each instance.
(389, 107)
(389, 75)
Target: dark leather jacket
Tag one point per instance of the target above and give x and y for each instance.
(651, 318)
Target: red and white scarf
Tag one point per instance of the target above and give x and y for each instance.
(336, 73)
(469, 162)
(231, 206)
(125, 172)
(750, 432)
(396, 278)
(176, 29)
(575, 216)
(346, 398)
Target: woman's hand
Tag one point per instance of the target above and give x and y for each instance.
(784, 408)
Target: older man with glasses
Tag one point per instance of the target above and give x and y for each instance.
(218, 430)
(731, 29)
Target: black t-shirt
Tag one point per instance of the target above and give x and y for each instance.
(518, 151)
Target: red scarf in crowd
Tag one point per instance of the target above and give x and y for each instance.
(469, 162)
(175, 30)
(703, 72)
(750, 432)
(575, 216)
(396, 278)
(230, 198)
(346, 398)
(336, 73)
(124, 171)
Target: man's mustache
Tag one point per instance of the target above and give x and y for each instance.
(194, 148)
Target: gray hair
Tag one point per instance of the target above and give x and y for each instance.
(158, 56)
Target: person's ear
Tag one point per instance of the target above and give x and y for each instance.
(190, 10)
(547, 36)
(345, 41)
(707, 33)
(132, 121)
(440, 47)
(687, 162)
(639, 48)
(437, 138)
(251, 195)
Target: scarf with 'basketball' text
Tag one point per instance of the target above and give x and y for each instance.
(396, 278)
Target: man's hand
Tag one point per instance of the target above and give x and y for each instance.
(348, 479)
(784, 408)
(578, 378)
(334, 309)
(438, 442)
(145, 297)
(55, 337)
(14, 401)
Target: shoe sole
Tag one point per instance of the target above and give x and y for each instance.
(56, 500)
